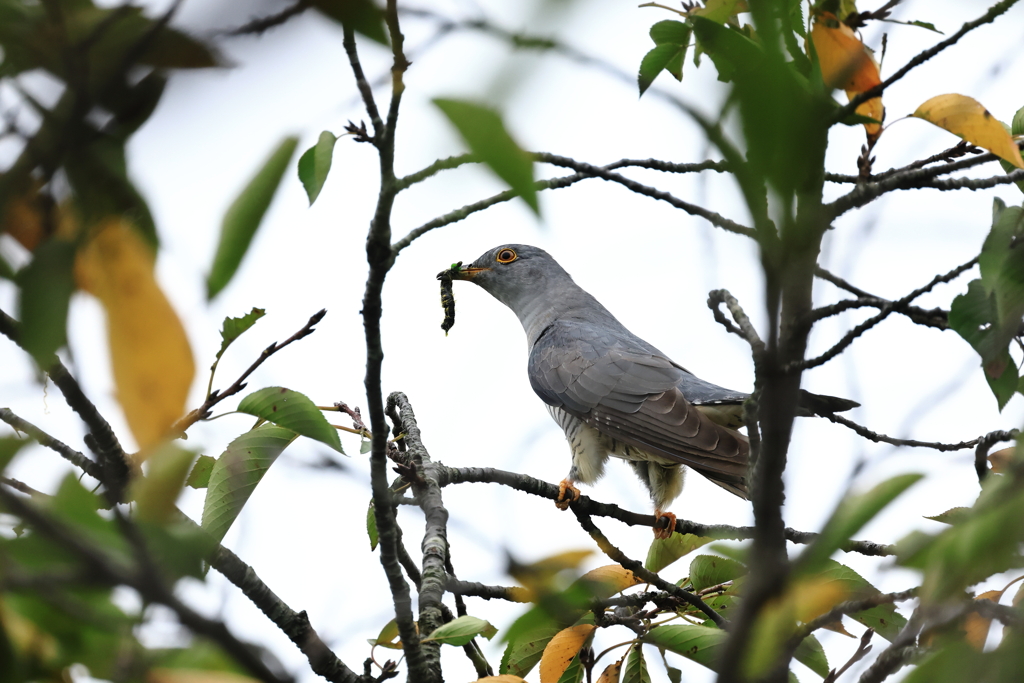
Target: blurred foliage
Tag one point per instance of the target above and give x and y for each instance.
(69, 200)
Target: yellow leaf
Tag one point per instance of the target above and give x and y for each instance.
(561, 649)
(161, 675)
(1000, 460)
(504, 678)
(611, 673)
(845, 62)
(540, 576)
(23, 221)
(613, 578)
(966, 117)
(872, 108)
(812, 598)
(149, 351)
(975, 626)
(27, 638)
(839, 628)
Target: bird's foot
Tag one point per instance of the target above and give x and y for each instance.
(567, 493)
(664, 524)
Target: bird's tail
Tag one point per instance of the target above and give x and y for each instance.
(819, 404)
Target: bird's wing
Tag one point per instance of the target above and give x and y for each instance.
(634, 397)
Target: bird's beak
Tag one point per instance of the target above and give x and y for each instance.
(467, 273)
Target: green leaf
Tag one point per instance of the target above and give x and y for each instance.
(388, 637)
(179, 547)
(46, 286)
(702, 644)
(362, 16)
(667, 57)
(9, 447)
(988, 316)
(811, 654)
(201, 654)
(711, 570)
(233, 328)
(635, 670)
(156, 493)
(371, 526)
(484, 132)
(365, 446)
(244, 216)
(291, 410)
(199, 477)
(524, 651)
(315, 164)
(1017, 125)
(986, 543)
(718, 11)
(884, 619)
(462, 630)
(237, 472)
(674, 674)
(665, 551)
(670, 32)
(6, 272)
(920, 24)
(573, 673)
(951, 516)
(849, 517)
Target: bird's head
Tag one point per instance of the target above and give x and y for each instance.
(513, 273)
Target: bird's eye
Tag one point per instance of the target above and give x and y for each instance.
(506, 256)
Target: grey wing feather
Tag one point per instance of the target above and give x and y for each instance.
(636, 396)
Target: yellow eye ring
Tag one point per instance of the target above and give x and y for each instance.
(506, 255)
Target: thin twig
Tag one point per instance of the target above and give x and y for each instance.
(912, 443)
(882, 314)
(715, 219)
(263, 24)
(216, 396)
(745, 329)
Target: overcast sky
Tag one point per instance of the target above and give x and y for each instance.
(651, 265)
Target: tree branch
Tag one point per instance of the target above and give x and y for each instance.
(113, 461)
(435, 535)
(641, 572)
(921, 58)
(865, 193)
(76, 458)
(149, 586)
(521, 482)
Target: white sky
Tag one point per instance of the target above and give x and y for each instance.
(651, 265)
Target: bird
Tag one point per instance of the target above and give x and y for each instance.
(615, 394)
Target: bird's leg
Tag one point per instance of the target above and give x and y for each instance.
(664, 482)
(567, 493)
(664, 524)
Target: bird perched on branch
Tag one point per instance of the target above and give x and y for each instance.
(614, 394)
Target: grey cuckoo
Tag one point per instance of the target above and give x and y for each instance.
(613, 393)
